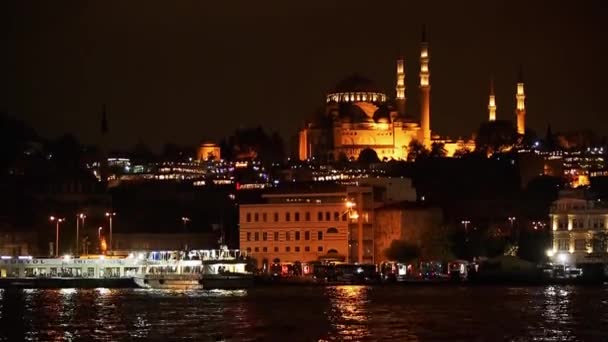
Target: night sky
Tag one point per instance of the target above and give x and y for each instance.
(184, 71)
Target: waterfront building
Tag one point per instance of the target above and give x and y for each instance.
(308, 222)
(579, 226)
(413, 222)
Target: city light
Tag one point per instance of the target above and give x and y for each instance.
(562, 258)
(550, 253)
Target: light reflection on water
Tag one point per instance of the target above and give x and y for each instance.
(336, 313)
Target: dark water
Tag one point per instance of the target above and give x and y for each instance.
(353, 313)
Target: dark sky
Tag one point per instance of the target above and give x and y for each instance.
(184, 71)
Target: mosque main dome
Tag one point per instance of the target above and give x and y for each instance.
(356, 88)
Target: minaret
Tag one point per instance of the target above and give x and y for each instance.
(400, 99)
(492, 103)
(520, 111)
(103, 162)
(425, 92)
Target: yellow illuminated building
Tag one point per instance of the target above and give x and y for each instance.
(208, 151)
(358, 116)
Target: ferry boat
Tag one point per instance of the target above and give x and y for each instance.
(222, 268)
(195, 269)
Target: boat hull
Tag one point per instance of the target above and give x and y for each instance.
(62, 283)
(178, 283)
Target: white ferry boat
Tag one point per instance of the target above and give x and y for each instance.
(222, 268)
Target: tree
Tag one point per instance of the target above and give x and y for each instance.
(438, 150)
(402, 251)
(495, 136)
(436, 244)
(416, 151)
(461, 152)
(368, 156)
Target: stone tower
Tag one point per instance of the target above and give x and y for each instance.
(520, 110)
(425, 92)
(492, 103)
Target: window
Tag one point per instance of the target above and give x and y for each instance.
(264, 217)
(561, 224)
(320, 216)
(297, 236)
(264, 236)
(307, 235)
(276, 217)
(332, 251)
(248, 217)
(307, 249)
(297, 248)
(276, 236)
(580, 244)
(336, 216)
(332, 230)
(256, 236)
(307, 216)
(248, 236)
(276, 249)
(264, 249)
(248, 249)
(256, 217)
(563, 244)
(320, 249)
(327, 216)
(287, 236)
(287, 217)
(257, 249)
(287, 249)
(344, 217)
(319, 235)
(297, 216)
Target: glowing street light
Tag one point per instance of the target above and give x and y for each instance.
(57, 221)
(110, 215)
(466, 224)
(511, 219)
(185, 220)
(79, 216)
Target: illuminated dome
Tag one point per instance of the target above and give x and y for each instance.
(356, 88)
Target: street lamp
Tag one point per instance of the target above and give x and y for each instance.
(511, 219)
(79, 217)
(185, 220)
(110, 215)
(57, 221)
(466, 224)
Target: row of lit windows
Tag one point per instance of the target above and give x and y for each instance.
(286, 249)
(580, 223)
(297, 235)
(296, 216)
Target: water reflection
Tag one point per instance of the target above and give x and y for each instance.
(348, 313)
(400, 313)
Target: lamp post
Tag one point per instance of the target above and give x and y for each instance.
(110, 215)
(57, 221)
(511, 219)
(466, 224)
(99, 233)
(185, 220)
(79, 217)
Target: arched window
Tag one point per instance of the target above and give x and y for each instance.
(332, 251)
(332, 230)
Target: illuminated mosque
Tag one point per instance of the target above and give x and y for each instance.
(358, 116)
